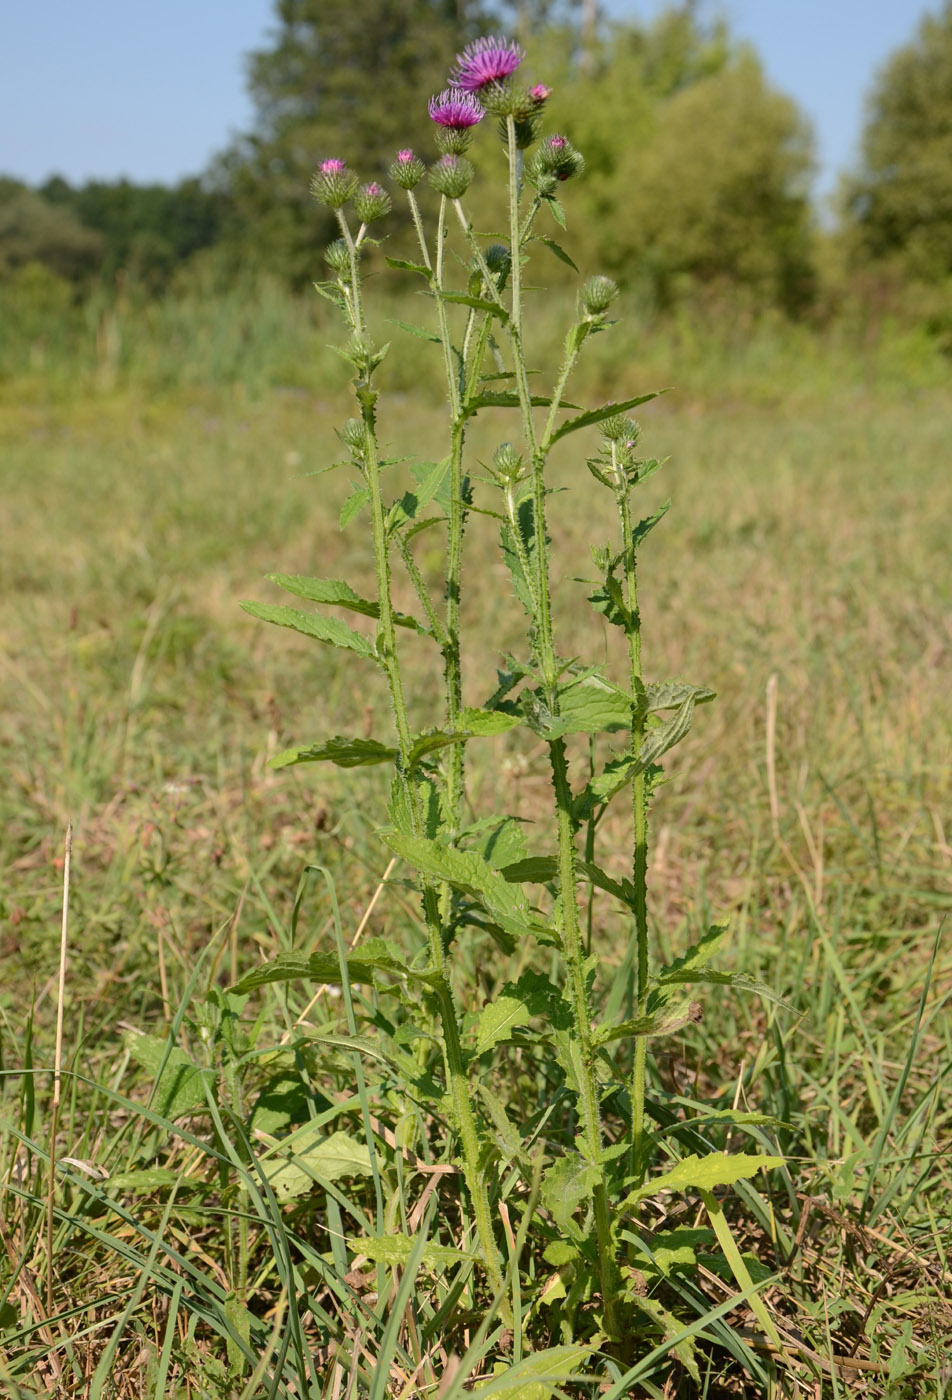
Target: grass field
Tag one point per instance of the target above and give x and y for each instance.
(804, 572)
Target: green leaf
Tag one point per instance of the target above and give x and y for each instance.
(353, 505)
(374, 956)
(555, 1364)
(430, 476)
(501, 1128)
(478, 303)
(728, 979)
(671, 1329)
(395, 1250)
(598, 415)
(671, 695)
(670, 1018)
(704, 1173)
(699, 954)
(322, 629)
(403, 266)
(557, 249)
(621, 771)
(339, 594)
(468, 872)
(346, 753)
(502, 398)
(556, 210)
(566, 1184)
(180, 1082)
(333, 1158)
(483, 723)
(518, 1002)
(644, 527)
(149, 1179)
(593, 705)
(542, 869)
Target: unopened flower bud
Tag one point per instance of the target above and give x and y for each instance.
(621, 430)
(337, 255)
(333, 183)
(498, 259)
(540, 93)
(371, 202)
(598, 294)
(557, 157)
(507, 464)
(353, 434)
(407, 170)
(451, 176)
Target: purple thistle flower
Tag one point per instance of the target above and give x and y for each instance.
(404, 157)
(455, 109)
(485, 61)
(333, 167)
(558, 143)
(540, 93)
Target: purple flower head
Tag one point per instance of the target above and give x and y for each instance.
(557, 143)
(540, 93)
(404, 157)
(485, 61)
(333, 183)
(333, 167)
(455, 109)
(407, 171)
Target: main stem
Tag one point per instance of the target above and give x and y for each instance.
(572, 949)
(457, 1080)
(640, 825)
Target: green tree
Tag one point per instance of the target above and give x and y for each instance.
(697, 171)
(34, 230)
(900, 203)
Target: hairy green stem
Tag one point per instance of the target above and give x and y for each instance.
(457, 1080)
(640, 825)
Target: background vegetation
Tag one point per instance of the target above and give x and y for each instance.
(164, 400)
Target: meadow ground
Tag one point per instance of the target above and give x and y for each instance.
(803, 571)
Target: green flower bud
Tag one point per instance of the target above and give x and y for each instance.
(503, 99)
(371, 202)
(555, 157)
(452, 176)
(352, 433)
(507, 465)
(621, 429)
(598, 294)
(337, 256)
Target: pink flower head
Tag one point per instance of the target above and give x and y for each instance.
(558, 143)
(540, 93)
(373, 189)
(333, 167)
(485, 61)
(455, 109)
(404, 157)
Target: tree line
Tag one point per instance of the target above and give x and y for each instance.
(698, 171)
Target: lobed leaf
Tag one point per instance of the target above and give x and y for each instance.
(704, 1173)
(395, 1250)
(598, 415)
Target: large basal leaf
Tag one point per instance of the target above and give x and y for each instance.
(180, 1083)
(469, 873)
(555, 1365)
(598, 415)
(322, 629)
(518, 1002)
(704, 1173)
(373, 957)
(396, 1250)
(569, 1182)
(332, 1158)
(339, 594)
(346, 753)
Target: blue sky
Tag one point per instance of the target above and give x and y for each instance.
(123, 87)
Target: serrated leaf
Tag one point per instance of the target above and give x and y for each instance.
(180, 1082)
(484, 723)
(644, 527)
(670, 1018)
(402, 266)
(699, 954)
(557, 249)
(704, 1173)
(430, 477)
(556, 210)
(566, 1184)
(346, 753)
(339, 594)
(671, 1329)
(592, 706)
(670, 695)
(468, 872)
(395, 1250)
(555, 1364)
(517, 1003)
(323, 629)
(598, 415)
(353, 505)
(332, 1158)
(478, 304)
(502, 398)
(621, 771)
(729, 979)
(374, 956)
(503, 1130)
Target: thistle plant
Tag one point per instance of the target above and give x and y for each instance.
(477, 879)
